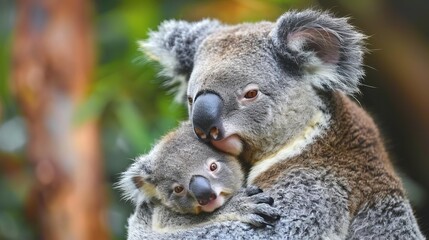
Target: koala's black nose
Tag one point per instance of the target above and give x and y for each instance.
(206, 117)
(202, 189)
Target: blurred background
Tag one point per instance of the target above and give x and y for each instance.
(77, 104)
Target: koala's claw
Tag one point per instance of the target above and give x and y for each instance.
(267, 212)
(253, 190)
(270, 201)
(253, 206)
(263, 213)
(259, 222)
(262, 198)
(271, 219)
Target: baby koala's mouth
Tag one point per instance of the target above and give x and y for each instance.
(231, 144)
(214, 204)
(203, 202)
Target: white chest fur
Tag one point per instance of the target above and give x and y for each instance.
(315, 128)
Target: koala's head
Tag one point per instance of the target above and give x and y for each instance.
(254, 87)
(183, 174)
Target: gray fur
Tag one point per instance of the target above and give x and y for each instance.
(174, 46)
(390, 218)
(295, 64)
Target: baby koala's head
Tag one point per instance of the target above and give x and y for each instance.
(184, 174)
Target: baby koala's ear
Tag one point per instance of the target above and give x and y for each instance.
(138, 181)
(134, 179)
(174, 45)
(327, 49)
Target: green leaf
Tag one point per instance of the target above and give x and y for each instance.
(133, 125)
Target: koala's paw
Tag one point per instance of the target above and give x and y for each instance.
(254, 207)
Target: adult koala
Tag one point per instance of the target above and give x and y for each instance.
(274, 94)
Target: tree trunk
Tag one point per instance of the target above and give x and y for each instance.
(53, 60)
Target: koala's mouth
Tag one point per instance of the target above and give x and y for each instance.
(213, 204)
(231, 144)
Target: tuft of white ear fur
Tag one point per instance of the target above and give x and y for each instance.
(127, 185)
(327, 50)
(174, 45)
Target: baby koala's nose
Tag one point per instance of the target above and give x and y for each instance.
(201, 188)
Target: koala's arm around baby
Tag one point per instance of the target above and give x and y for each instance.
(248, 206)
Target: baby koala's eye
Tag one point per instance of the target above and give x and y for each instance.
(178, 189)
(251, 94)
(213, 167)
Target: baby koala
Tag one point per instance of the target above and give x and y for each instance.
(183, 176)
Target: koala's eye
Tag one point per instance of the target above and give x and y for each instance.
(190, 101)
(213, 167)
(178, 189)
(251, 94)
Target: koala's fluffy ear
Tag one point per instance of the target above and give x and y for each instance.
(327, 49)
(174, 46)
(132, 181)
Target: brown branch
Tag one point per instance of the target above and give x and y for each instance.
(52, 65)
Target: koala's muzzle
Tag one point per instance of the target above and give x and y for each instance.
(202, 189)
(206, 116)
